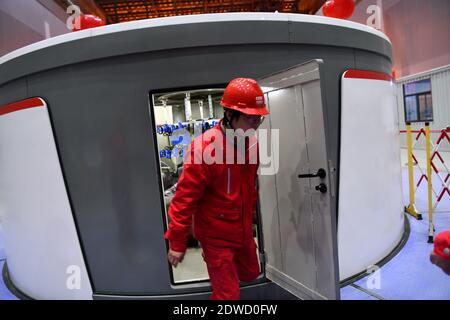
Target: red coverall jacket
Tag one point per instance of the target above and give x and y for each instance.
(218, 199)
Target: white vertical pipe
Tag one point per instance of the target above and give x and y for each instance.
(187, 107)
(200, 105)
(211, 108)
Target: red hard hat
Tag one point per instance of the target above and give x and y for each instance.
(442, 245)
(244, 95)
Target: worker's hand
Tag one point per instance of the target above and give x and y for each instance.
(442, 263)
(175, 257)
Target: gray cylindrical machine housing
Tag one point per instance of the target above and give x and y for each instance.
(97, 90)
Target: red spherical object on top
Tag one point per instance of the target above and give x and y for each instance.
(244, 95)
(87, 21)
(341, 9)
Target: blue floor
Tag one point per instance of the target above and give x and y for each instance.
(5, 294)
(409, 275)
(351, 293)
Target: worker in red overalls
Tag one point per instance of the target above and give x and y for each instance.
(219, 197)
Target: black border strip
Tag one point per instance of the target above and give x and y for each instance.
(11, 287)
(370, 293)
(382, 262)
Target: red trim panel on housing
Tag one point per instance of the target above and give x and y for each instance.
(370, 75)
(21, 105)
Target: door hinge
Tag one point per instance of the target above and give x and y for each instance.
(332, 178)
(262, 258)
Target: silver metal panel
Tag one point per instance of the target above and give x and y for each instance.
(305, 228)
(291, 285)
(294, 204)
(323, 223)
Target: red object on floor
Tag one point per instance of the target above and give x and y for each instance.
(442, 245)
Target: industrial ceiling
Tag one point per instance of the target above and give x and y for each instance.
(116, 11)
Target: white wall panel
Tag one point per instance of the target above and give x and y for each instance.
(371, 219)
(43, 252)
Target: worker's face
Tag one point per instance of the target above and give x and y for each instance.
(246, 122)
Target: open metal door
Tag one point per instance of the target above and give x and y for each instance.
(295, 186)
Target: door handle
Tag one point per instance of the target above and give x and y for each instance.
(321, 173)
(322, 188)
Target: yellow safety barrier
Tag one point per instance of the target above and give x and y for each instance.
(411, 208)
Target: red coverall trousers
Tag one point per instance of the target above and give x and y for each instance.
(228, 266)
